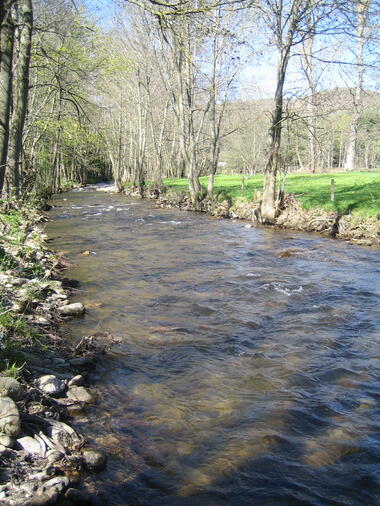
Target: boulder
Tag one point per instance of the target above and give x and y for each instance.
(10, 423)
(94, 459)
(80, 394)
(74, 309)
(51, 385)
(9, 387)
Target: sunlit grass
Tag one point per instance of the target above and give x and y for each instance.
(355, 192)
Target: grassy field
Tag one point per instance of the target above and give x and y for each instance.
(355, 192)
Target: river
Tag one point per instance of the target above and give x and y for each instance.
(247, 366)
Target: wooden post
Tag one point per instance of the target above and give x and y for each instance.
(332, 190)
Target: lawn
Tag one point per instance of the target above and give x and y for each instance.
(355, 192)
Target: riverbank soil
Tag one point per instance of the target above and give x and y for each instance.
(43, 382)
(353, 215)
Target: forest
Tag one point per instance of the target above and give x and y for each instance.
(145, 90)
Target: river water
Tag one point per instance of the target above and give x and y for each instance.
(245, 374)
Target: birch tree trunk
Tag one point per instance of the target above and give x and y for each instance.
(6, 76)
(362, 16)
(20, 101)
(268, 203)
(311, 107)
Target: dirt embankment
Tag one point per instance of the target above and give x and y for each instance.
(353, 229)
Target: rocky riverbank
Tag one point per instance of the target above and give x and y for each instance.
(44, 382)
(355, 230)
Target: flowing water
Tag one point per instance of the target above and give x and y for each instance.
(247, 367)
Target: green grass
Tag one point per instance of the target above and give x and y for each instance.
(12, 370)
(12, 325)
(355, 192)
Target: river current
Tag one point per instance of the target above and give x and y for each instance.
(247, 366)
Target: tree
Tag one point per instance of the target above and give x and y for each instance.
(362, 8)
(291, 23)
(20, 98)
(6, 82)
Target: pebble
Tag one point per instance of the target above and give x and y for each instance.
(51, 385)
(10, 423)
(58, 360)
(9, 387)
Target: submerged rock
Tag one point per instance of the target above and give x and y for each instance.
(94, 459)
(85, 362)
(74, 309)
(79, 497)
(10, 423)
(51, 385)
(80, 394)
(9, 387)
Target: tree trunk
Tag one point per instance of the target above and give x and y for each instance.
(6, 75)
(312, 119)
(268, 204)
(21, 96)
(362, 16)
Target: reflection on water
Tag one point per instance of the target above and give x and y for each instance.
(248, 367)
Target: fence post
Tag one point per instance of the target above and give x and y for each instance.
(332, 190)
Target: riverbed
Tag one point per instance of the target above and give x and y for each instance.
(246, 369)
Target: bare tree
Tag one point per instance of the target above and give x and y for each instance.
(291, 22)
(362, 8)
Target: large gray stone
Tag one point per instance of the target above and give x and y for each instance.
(9, 387)
(51, 385)
(10, 423)
(74, 309)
